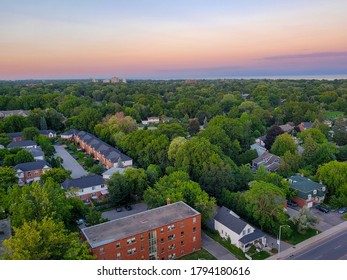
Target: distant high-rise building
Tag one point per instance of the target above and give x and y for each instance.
(115, 80)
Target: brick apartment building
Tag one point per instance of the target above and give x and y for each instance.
(163, 233)
(105, 153)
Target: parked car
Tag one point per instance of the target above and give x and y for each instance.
(128, 207)
(342, 210)
(292, 203)
(79, 221)
(323, 208)
(119, 209)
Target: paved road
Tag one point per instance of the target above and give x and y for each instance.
(69, 162)
(333, 248)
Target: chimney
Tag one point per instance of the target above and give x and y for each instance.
(168, 201)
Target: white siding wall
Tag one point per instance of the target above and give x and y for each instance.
(226, 232)
(90, 190)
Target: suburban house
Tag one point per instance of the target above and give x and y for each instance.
(16, 136)
(288, 127)
(107, 155)
(151, 120)
(37, 153)
(259, 148)
(268, 160)
(92, 186)
(49, 133)
(25, 144)
(69, 135)
(4, 114)
(108, 173)
(241, 234)
(305, 125)
(308, 191)
(162, 233)
(261, 140)
(31, 171)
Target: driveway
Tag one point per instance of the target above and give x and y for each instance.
(69, 162)
(327, 220)
(215, 248)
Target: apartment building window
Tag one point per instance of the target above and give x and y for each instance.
(172, 256)
(117, 245)
(162, 240)
(171, 247)
(102, 251)
(161, 230)
(132, 251)
(118, 255)
(194, 238)
(142, 237)
(102, 186)
(172, 227)
(182, 243)
(131, 240)
(194, 220)
(162, 250)
(194, 229)
(36, 173)
(29, 174)
(142, 247)
(182, 233)
(82, 190)
(182, 252)
(171, 237)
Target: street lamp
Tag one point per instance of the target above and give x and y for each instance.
(279, 240)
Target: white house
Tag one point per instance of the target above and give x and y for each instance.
(92, 186)
(241, 234)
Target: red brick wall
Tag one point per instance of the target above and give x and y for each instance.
(142, 251)
(26, 174)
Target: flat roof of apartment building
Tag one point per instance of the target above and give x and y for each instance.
(129, 226)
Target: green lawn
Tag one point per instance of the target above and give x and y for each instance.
(296, 237)
(262, 255)
(226, 244)
(333, 115)
(201, 254)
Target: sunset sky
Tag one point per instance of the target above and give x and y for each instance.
(174, 39)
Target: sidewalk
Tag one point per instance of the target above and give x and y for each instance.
(298, 247)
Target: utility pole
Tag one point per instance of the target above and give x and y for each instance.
(279, 241)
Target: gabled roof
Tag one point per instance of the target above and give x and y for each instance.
(83, 182)
(229, 220)
(109, 152)
(15, 134)
(47, 131)
(36, 152)
(29, 166)
(304, 184)
(24, 143)
(70, 132)
(256, 234)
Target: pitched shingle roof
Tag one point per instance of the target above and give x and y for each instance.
(109, 152)
(35, 165)
(83, 182)
(256, 234)
(20, 144)
(229, 220)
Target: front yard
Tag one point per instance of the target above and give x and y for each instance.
(198, 255)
